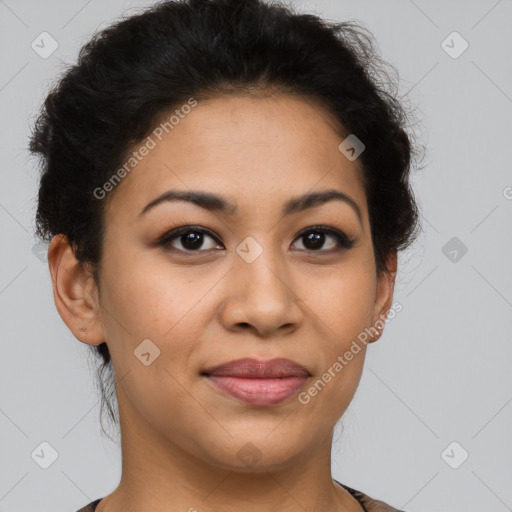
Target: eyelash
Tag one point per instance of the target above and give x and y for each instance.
(344, 241)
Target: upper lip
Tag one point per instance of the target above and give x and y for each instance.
(256, 369)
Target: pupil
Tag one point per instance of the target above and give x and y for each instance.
(192, 240)
(315, 238)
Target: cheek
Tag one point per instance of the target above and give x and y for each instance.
(345, 304)
(142, 301)
(151, 299)
(345, 308)
(163, 305)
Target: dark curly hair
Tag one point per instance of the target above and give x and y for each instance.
(131, 73)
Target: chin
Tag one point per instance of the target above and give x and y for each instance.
(255, 454)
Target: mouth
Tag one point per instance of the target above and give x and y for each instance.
(258, 383)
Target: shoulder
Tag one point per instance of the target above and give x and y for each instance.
(91, 507)
(370, 504)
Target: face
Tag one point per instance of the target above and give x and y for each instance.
(247, 281)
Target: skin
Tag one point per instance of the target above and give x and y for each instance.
(203, 307)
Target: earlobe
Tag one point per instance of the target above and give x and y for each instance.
(74, 292)
(384, 296)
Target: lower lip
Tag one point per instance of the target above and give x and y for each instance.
(258, 391)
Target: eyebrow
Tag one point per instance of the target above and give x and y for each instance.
(213, 202)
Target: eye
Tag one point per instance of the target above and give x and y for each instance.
(191, 239)
(316, 236)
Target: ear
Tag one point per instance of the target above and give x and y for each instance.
(384, 295)
(74, 292)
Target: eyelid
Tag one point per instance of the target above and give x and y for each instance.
(176, 232)
(345, 241)
(341, 236)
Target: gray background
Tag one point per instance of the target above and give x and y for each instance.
(441, 371)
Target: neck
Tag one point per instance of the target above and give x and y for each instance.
(162, 476)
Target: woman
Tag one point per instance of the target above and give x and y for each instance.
(225, 188)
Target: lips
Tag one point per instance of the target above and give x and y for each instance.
(254, 369)
(257, 382)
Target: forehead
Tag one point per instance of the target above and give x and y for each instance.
(249, 149)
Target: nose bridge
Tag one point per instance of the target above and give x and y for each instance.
(260, 267)
(259, 291)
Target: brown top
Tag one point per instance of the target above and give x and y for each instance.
(367, 504)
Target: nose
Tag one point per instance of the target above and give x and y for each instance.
(261, 296)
